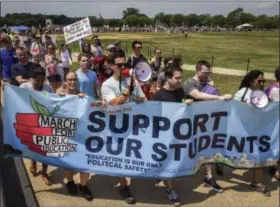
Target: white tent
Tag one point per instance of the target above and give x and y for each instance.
(239, 27)
(246, 25)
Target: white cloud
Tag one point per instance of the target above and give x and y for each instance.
(267, 4)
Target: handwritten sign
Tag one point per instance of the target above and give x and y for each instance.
(77, 30)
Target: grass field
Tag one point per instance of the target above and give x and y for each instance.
(230, 50)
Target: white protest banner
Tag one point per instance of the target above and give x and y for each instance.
(77, 30)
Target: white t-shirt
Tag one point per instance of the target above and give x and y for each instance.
(65, 58)
(35, 48)
(239, 94)
(110, 90)
(28, 86)
(96, 50)
(274, 94)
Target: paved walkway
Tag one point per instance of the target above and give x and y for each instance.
(224, 71)
(227, 71)
(192, 191)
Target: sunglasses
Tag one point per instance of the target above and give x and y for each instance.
(261, 81)
(206, 73)
(120, 65)
(138, 47)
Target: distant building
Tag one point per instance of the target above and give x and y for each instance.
(49, 22)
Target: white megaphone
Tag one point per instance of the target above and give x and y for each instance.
(142, 71)
(259, 99)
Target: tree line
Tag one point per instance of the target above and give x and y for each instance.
(133, 17)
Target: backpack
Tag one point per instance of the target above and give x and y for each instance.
(274, 85)
(209, 89)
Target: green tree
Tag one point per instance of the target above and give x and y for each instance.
(178, 20)
(163, 19)
(130, 11)
(233, 18)
(205, 19)
(131, 20)
(218, 20)
(142, 21)
(265, 22)
(114, 22)
(193, 20)
(247, 18)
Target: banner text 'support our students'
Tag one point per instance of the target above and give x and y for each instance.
(149, 140)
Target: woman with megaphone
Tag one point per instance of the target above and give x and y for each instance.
(253, 81)
(118, 90)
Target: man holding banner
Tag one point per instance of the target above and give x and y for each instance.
(172, 92)
(114, 96)
(37, 84)
(194, 88)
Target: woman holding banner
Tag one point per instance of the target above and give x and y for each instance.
(254, 80)
(273, 94)
(70, 80)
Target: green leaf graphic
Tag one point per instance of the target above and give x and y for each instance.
(33, 104)
(55, 110)
(39, 108)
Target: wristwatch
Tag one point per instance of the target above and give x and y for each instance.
(125, 92)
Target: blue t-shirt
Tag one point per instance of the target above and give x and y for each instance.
(8, 59)
(87, 82)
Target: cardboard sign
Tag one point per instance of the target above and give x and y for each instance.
(77, 30)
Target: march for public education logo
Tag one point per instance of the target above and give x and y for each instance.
(44, 133)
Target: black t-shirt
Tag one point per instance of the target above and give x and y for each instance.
(169, 96)
(119, 53)
(22, 70)
(132, 60)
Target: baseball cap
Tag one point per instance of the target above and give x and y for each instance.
(111, 46)
(98, 60)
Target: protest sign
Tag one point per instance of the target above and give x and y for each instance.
(138, 140)
(77, 30)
